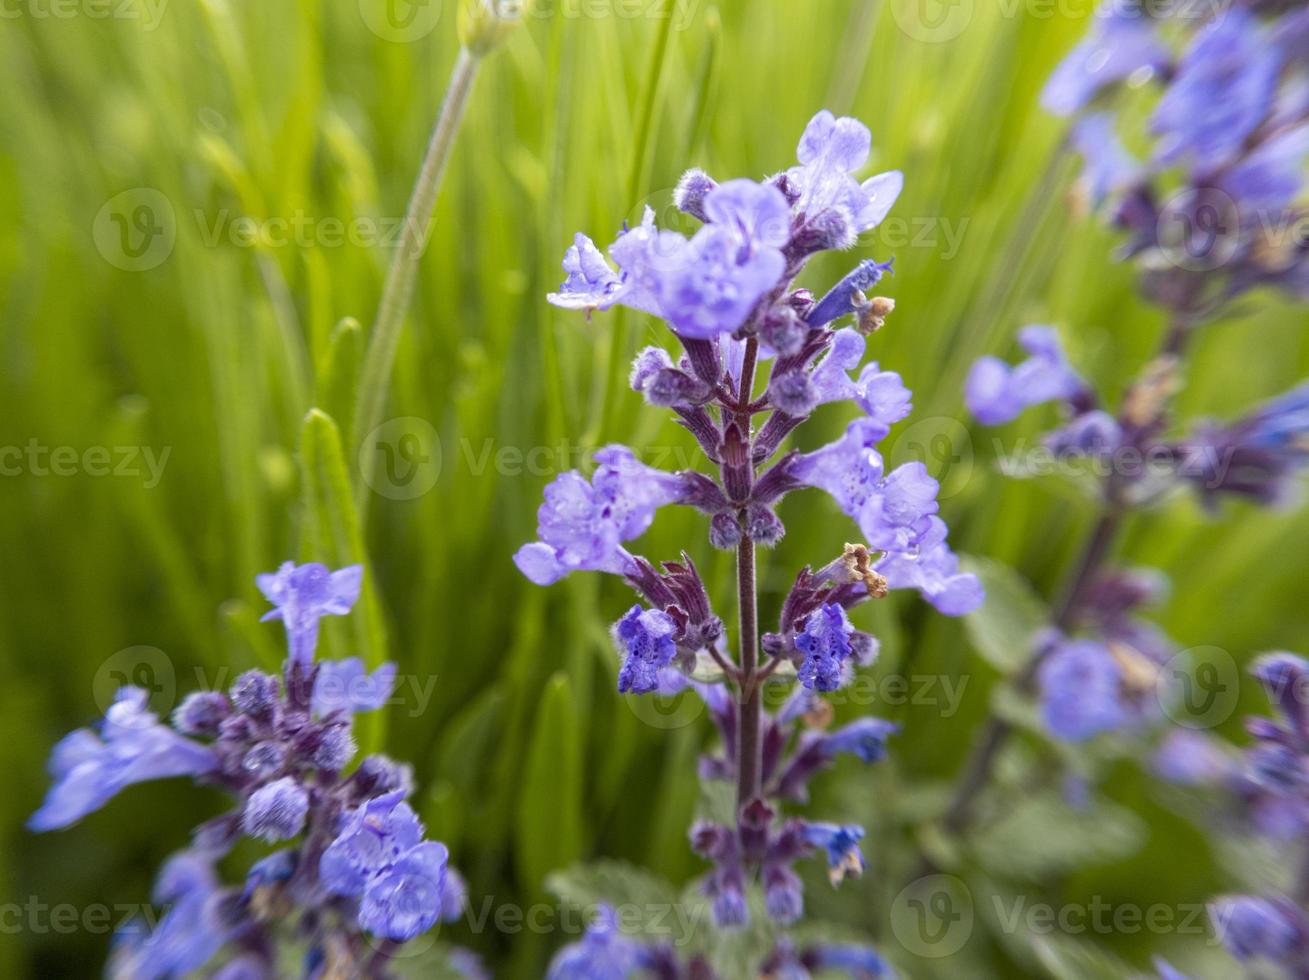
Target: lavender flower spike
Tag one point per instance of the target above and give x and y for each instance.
(355, 860)
(303, 594)
(729, 296)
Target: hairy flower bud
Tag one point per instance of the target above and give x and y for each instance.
(724, 531)
(763, 525)
(783, 330)
(691, 192)
(201, 713)
(793, 393)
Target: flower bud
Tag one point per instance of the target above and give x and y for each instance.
(793, 393)
(724, 532)
(691, 192)
(783, 330)
(763, 526)
(484, 24)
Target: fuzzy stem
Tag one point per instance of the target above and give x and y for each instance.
(748, 748)
(375, 379)
(747, 786)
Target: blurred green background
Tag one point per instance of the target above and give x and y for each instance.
(136, 149)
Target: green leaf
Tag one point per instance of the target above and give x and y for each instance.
(1002, 627)
(549, 830)
(1043, 835)
(338, 368)
(469, 739)
(614, 882)
(332, 536)
(1071, 958)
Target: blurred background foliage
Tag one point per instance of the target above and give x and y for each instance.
(527, 758)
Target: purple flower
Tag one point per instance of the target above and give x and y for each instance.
(583, 524)
(201, 712)
(691, 192)
(1265, 182)
(646, 637)
(373, 836)
(188, 935)
(1223, 90)
(997, 393)
(1109, 167)
(841, 842)
(1081, 691)
(1120, 46)
(799, 393)
(1285, 677)
(704, 286)
(933, 569)
(345, 685)
(1253, 928)
(277, 811)
(883, 395)
(865, 738)
(856, 962)
(844, 297)
(783, 894)
(830, 151)
(379, 856)
(1094, 433)
(1193, 758)
(255, 693)
(591, 282)
(603, 954)
(825, 643)
(849, 469)
(1257, 457)
(303, 594)
(90, 768)
(711, 284)
(335, 748)
(405, 899)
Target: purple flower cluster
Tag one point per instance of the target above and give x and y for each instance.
(796, 746)
(1270, 781)
(1212, 210)
(729, 296)
(355, 877)
(1098, 666)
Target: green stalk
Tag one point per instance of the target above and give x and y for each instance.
(375, 380)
